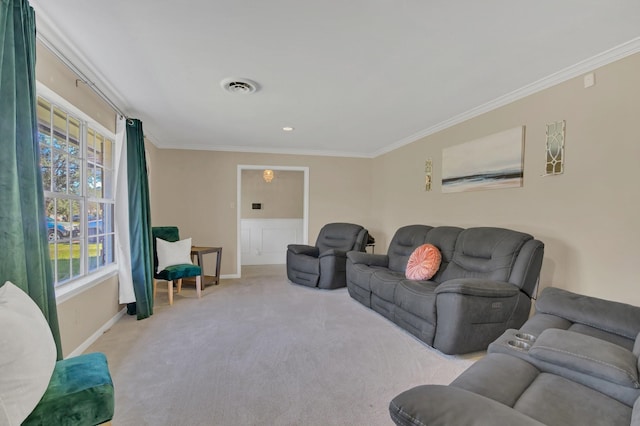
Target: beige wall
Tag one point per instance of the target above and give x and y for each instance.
(197, 190)
(588, 217)
(81, 316)
(54, 74)
(282, 198)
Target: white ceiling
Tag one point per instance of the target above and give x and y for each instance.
(354, 78)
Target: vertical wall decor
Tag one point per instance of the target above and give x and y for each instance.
(492, 162)
(555, 148)
(428, 168)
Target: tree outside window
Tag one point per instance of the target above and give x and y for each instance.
(77, 164)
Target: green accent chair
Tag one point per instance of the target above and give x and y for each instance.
(80, 393)
(173, 274)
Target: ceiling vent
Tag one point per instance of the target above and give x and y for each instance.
(242, 86)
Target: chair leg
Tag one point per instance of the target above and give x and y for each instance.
(155, 286)
(179, 285)
(170, 288)
(199, 286)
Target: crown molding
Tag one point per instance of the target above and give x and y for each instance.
(614, 54)
(265, 150)
(49, 34)
(55, 41)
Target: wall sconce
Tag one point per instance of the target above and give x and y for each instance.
(555, 148)
(267, 175)
(428, 168)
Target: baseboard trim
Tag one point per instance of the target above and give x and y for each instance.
(229, 276)
(83, 347)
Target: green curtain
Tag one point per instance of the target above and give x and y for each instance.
(24, 248)
(139, 222)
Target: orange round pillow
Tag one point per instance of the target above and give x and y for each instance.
(423, 262)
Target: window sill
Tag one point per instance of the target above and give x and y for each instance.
(71, 289)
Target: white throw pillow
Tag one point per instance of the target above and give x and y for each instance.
(169, 254)
(27, 355)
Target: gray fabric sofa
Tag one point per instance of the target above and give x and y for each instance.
(483, 287)
(323, 265)
(575, 362)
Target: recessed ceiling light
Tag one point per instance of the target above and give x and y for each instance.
(287, 129)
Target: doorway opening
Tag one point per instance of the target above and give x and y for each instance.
(277, 230)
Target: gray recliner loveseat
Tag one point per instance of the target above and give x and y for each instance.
(575, 362)
(483, 286)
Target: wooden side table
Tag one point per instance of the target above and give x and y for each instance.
(198, 252)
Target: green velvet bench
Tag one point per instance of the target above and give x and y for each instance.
(80, 393)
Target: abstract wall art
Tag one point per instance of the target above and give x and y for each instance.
(492, 162)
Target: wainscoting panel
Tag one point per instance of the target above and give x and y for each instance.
(264, 241)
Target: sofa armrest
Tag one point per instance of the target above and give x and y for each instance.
(473, 312)
(303, 249)
(526, 269)
(613, 317)
(478, 287)
(438, 405)
(368, 259)
(587, 355)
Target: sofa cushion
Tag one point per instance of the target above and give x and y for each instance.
(27, 354)
(418, 298)
(443, 237)
(588, 355)
(438, 405)
(361, 266)
(556, 401)
(383, 283)
(341, 236)
(485, 253)
(423, 262)
(403, 243)
(514, 375)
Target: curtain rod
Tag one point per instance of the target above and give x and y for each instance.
(83, 78)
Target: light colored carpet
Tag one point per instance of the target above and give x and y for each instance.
(262, 351)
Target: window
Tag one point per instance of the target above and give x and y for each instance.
(77, 163)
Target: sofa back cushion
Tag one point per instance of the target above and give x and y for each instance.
(444, 238)
(615, 322)
(487, 253)
(403, 243)
(341, 236)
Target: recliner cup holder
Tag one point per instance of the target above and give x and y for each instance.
(520, 345)
(526, 337)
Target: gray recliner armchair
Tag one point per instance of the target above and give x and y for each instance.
(324, 264)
